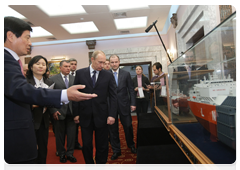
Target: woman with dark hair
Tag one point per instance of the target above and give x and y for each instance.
(36, 75)
(141, 81)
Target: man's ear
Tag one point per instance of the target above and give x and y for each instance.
(10, 36)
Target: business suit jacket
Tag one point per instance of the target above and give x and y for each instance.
(144, 82)
(19, 135)
(125, 93)
(38, 114)
(96, 108)
(60, 84)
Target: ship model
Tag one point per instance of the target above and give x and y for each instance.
(213, 103)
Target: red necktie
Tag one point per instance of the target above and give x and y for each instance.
(20, 63)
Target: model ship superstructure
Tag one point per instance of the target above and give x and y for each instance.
(213, 91)
(213, 103)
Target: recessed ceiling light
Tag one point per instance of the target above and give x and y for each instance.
(10, 12)
(124, 7)
(130, 23)
(67, 9)
(80, 27)
(39, 32)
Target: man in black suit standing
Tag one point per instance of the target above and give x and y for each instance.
(63, 117)
(126, 103)
(94, 114)
(20, 144)
(73, 68)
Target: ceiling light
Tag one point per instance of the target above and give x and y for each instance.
(10, 12)
(124, 7)
(80, 27)
(39, 32)
(67, 9)
(130, 23)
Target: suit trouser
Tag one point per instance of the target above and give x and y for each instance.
(141, 105)
(42, 142)
(69, 125)
(101, 143)
(114, 133)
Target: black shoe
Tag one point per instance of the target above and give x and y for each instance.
(133, 150)
(79, 147)
(63, 159)
(71, 158)
(115, 155)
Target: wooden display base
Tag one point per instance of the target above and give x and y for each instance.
(194, 155)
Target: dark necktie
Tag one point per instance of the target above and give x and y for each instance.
(20, 63)
(94, 78)
(66, 81)
(72, 73)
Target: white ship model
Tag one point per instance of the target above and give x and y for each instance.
(205, 96)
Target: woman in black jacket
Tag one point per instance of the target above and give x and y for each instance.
(141, 81)
(36, 75)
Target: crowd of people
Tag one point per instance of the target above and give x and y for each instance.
(92, 98)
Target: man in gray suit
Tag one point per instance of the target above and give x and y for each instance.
(126, 103)
(63, 118)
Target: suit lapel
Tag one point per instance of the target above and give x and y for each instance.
(31, 81)
(120, 77)
(61, 80)
(71, 80)
(88, 77)
(100, 76)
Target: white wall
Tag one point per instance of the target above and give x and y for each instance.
(80, 50)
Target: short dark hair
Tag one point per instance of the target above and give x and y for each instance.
(114, 55)
(158, 65)
(67, 61)
(16, 26)
(72, 59)
(34, 60)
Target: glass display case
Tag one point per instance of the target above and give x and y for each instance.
(202, 97)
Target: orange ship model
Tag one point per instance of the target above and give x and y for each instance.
(209, 96)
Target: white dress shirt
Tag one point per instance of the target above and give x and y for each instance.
(91, 72)
(116, 71)
(40, 83)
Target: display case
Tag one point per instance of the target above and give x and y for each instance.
(202, 97)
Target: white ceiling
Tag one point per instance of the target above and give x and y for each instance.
(99, 14)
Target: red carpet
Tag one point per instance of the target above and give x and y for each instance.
(126, 158)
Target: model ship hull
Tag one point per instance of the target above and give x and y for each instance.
(206, 115)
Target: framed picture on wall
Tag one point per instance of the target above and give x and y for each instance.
(54, 67)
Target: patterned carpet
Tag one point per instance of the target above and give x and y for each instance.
(126, 158)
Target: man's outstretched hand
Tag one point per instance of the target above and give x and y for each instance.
(74, 95)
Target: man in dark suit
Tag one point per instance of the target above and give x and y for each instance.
(94, 114)
(73, 68)
(126, 103)
(20, 144)
(63, 118)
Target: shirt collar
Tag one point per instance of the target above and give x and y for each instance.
(38, 81)
(12, 53)
(91, 69)
(64, 75)
(116, 71)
